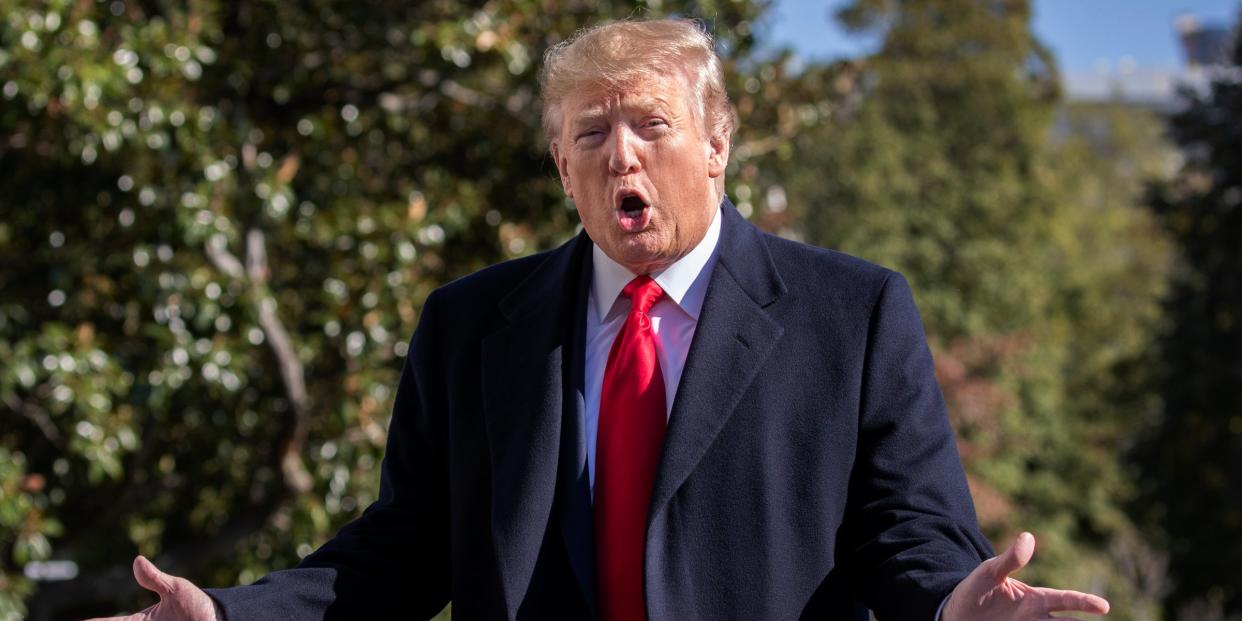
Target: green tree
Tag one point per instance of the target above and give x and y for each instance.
(1035, 267)
(220, 220)
(1192, 461)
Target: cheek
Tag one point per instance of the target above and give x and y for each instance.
(683, 161)
(582, 182)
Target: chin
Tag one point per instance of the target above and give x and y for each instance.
(642, 258)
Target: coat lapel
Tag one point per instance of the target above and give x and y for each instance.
(574, 486)
(734, 337)
(524, 397)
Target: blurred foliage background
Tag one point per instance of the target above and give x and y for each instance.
(218, 222)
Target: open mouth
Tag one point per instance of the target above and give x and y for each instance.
(633, 206)
(633, 213)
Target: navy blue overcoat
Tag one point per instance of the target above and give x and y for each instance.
(808, 469)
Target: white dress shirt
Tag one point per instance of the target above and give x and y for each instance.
(673, 319)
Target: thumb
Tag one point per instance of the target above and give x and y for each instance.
(151, 578)
(1015, 558)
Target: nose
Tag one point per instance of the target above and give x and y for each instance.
(624, 157)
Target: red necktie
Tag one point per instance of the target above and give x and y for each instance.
(631, 432)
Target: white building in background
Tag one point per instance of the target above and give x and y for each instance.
(1204, 45)
(1206, 50)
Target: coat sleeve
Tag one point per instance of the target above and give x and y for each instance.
(395, 556)
(910, 513)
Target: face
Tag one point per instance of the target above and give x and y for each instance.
(641, 170)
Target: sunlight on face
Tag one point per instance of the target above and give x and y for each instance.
(641, 170)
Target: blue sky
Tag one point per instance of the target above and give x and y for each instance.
(1086, 35)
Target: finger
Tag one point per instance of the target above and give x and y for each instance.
(1056, 600)
(1015, 558)
(141, 615)
(151, 578)
(137, 616)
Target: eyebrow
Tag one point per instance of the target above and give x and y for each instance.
(590, 116)
(653, 103)
(598, 113)
(650, 104)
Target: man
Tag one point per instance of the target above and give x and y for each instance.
(674, 415)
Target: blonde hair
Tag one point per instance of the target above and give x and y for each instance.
(614, 55)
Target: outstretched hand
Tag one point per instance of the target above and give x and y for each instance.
(989, 593)
(180, 599)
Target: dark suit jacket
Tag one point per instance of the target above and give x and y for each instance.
(808, 463)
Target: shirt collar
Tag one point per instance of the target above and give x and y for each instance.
(684, 282)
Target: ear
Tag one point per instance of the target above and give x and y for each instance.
(562, 166)
(718, 154)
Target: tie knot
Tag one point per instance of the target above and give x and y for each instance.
(643, 293)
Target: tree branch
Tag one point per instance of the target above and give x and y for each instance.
(36, 415)
(256, 272)
(218, 253)
(291, 370)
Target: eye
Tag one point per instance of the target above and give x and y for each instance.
(592, 134)
(655, 122)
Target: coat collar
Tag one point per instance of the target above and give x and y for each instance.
(678, 280)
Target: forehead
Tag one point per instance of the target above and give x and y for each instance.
(668, 91)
